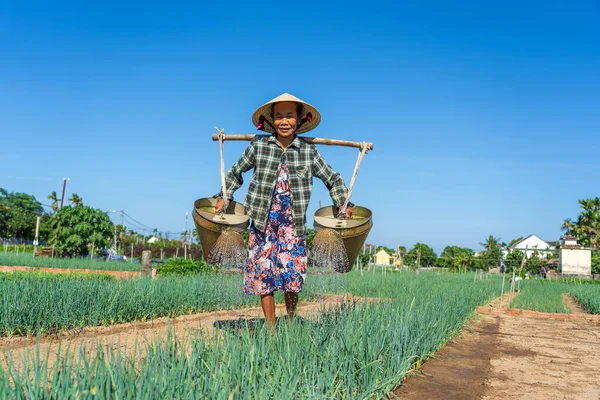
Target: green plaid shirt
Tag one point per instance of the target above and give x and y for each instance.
(303, 162)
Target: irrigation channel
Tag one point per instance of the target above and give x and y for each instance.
(358, 335)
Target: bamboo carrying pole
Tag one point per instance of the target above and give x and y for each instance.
(311, 140)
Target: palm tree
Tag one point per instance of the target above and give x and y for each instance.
(569, 227)
(75, 199)
(54, 197)
(463, 261)
(490, 243)
(587, 227)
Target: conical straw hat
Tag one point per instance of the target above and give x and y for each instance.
(265, 111)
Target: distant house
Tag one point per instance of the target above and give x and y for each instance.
(383, 258)
(574, 259)
(530, 244)
(153, 239)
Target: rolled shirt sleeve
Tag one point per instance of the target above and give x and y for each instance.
(332, 180)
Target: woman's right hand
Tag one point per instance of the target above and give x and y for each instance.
(219, 206)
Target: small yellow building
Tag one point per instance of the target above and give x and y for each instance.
(382, 258)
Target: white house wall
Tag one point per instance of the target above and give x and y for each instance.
(575, 261)
(529, 244)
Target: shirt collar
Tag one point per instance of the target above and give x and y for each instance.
(295, 142)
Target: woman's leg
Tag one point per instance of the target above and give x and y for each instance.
(268, 305)
(291, 301)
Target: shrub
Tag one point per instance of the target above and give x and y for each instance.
(180, 266)
(596, 263)
(193, 251)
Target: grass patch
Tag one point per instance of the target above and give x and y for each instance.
(28, 260)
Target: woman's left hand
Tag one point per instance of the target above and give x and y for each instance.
(348, 211)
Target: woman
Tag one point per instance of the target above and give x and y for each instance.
(278, 196)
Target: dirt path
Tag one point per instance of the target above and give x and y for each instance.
(506, 356)
(573, 305)
(125, 336)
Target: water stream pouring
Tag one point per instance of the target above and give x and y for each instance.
(220, 234)
(352, 234)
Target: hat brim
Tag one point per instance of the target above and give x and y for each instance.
(265, 111)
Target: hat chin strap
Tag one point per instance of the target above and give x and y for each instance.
(261, 124)
(262, 120)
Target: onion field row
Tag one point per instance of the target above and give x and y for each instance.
(28, 260)
(355, 351)
(541, 296)
(587, 295)
(547, 295)
(33, 303)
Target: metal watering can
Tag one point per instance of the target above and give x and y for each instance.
(210, 225)
(353, 231)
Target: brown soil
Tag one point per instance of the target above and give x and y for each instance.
(126, 336)
(512, 354)
(118, 274)
(573, 305)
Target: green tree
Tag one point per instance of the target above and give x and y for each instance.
(386, 249)
(45, 227)
(75, 228)
(515, 241)
(76, 200)
(18, 215)
(54, 198)
(365, 258)
(427, 256)
(596, 263)
(465, 261)
(456, 258)
(4, 212)
(310, 235)
(492, 256)
(534, 264)
(587, 227)
(513, 260)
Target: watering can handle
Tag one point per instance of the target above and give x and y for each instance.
(364, 147)
(221, 136)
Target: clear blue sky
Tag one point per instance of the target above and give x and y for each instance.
(485, 117)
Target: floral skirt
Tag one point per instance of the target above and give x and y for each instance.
(276, 261)
(276, 257)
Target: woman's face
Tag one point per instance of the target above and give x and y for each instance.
(285, 118)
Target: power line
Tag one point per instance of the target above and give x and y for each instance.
(138, 222)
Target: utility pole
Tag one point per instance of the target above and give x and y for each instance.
(37, 234)
(418, 258)
(62, 198)
(185, 238)
(122, 225)
(400, 257)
